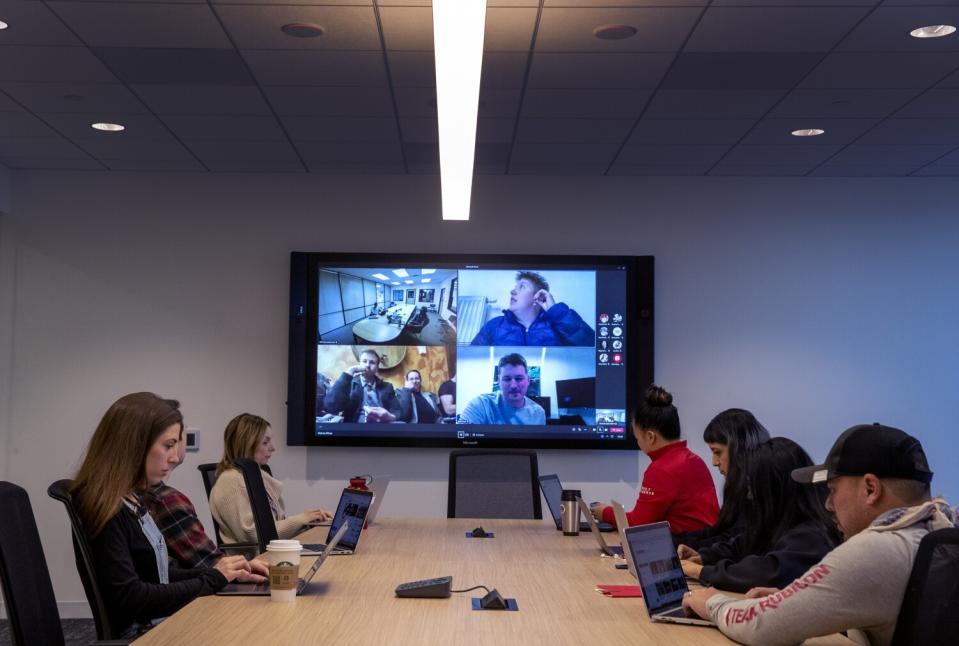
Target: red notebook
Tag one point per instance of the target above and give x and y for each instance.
(620, 590)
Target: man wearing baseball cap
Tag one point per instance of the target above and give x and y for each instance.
(878, 480)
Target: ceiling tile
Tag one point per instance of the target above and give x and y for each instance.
(305, 100)
(952, 159)
(711, 104)
(412, 69)
(135, 149)
(842, 103)
(32, 23)
(626, 3)
(42, 163)
(870, 70)
(574, 130)
(946, 167)
(933, 103)
(784, 3)
(659, 170)
(53, 147)
(6, 103)
(846, 170)
(176, 66)
(572, 30)
(951, 81)
(259, 27)
(407, 28)
(156, 165)
(495, 130)
(887, 155)
(509, 30)
(366, 129)
(419, 130)
(887, 29)
(116, 24)
(780, 155)
(340, 168)
(203, 99)
(88, 98)
(255, 166)
(566, 153)
(252, 128)
(350, 152)
(138, 126)
(914, 132)
(597, 104)
(667, 132)
(362, 3)
(317, 67)
(779, 132)
(590, 71)
(502, 70)
(728, 71)
(213, 152)
(773, 29)
(670, 155)
(23, 124)
(421, 153)
(554, 169)
(51, 65)
(761, 170)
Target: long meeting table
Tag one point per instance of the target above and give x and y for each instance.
(351, 599)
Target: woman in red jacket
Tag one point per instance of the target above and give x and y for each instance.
(677, 486)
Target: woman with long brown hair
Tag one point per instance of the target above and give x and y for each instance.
(250, 436)
(134, 448)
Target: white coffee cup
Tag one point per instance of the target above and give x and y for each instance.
(284, 559)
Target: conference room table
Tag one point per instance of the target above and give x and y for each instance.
(351, 599)
(378, 328)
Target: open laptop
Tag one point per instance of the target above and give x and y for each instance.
(607, 550)
(263, 589)
(622, 523)
(379, 486)
(660, 573)
(553, 492)
(354, 506)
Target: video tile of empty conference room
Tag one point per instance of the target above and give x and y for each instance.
(393, 306)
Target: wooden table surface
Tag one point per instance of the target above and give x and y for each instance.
(351, 599)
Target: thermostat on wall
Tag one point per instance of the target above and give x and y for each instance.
(192, 437)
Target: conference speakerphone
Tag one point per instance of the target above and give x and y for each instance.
(439, 588)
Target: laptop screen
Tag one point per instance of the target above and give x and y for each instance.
(354, 505)
(657, 566)
(553, 492)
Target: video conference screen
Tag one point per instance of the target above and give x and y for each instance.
(468, 351)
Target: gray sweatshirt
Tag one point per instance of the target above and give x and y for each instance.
(858, 587)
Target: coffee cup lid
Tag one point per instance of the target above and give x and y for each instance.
(278, 545)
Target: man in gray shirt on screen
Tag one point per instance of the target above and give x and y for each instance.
(510, 405)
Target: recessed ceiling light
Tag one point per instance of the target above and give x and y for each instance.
(108, 127)
(614, 32)
(402, 273)
(381, 276)
(3, 25)
(408, 282)
(427, 272)
(808, 132)
(302, 30)
(396, 282)
(425, 280)
(933, 31)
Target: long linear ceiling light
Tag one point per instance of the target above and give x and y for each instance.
(458, 29)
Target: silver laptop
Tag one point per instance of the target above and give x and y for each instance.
(553, 492)
(354, 507)
(379, 486)
(660, 573)
(607, 550)
(263, 589)
(619, 512)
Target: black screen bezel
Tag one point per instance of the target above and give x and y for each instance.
(301, 396)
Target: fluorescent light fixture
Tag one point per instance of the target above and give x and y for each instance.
(427, 272)
(933, 31)
(408, 282)
(108, 127)
(396, 282)
(426, 280)
(458, 29)
(402, 273)
(3, 25)
(381, 276)
(808, 132)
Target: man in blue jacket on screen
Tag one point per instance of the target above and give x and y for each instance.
(535, 318)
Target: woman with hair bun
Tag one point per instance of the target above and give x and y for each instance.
(677, 486)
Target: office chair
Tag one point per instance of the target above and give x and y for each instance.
(493, 484)
(249, 550)
(27, 591)
(60, 490)
(928, 614)
(259, 503)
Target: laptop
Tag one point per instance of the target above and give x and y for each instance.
(553, 492)
(619, 512)
(379, 486)
(660, 573)
(353, 507)
(607, 550)
(263, 588)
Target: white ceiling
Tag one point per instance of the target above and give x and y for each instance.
(704, 87)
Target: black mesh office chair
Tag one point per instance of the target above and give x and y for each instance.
(27, 592)
(60, 490)
(259, 502)
(208, 473)
(928, 615)
(493, 484)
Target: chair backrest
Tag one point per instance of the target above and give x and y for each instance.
(24, 578)
(208, 472)
(928, 613)
(493, 484)
(259, 502)
(60, 490)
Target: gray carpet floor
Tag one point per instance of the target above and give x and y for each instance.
(77, 632)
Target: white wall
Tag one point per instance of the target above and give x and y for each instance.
(817, 303)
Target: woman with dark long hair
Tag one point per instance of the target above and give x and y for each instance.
(731, 436)
(132, 451)
(676, 485)
(785, 528)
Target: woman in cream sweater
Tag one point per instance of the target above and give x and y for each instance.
(250, 436)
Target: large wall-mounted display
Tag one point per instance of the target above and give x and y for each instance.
(494, 351)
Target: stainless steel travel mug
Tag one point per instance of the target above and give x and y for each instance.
(569, 508)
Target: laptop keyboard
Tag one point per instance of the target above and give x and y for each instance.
(675, 612)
